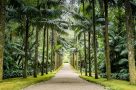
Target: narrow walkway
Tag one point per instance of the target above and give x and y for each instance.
(65, 79)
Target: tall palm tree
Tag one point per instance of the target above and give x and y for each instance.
(27, 20)
(36, 52)
(89, 53)
(85, 55)
(29, 14)
(36, 45)
(2, 29)
(106, 42)
(52, 49)
(43, 53)
(47, 50)
(44, 43)
(130, 44)
(94, 41)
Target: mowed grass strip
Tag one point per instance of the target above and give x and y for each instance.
(20, 83)
(112, 84)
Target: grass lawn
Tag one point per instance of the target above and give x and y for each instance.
(19, 83)
(112, 84)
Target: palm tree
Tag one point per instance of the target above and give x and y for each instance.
(43, 53)
(26, 47)
(47, 50)
(106, 42)
(89, 53)
(94, 41)
(29, 13)
(85, 55)
(2, 29)
(36, 46)
(36, 52)
(85, 43)
(52, 49)
(44, 43)
(130, 40)
(49, 16)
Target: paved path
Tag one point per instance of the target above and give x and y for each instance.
(65, 79)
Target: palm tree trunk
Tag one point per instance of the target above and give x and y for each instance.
(89, 54)
(81, 64)
(130, 44)
(55, 53)
(85, 54)
(85, 43)
(76, 60)
(73, 59)
(57, 60)
(36, 47)
(36, 53)
(106, 42)
(2, 40)
(43, 53)
(47, 51)
(77, 54)
(94, 42)
(26, 48)
(52, 45)
(134, 33)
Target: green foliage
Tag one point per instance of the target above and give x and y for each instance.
(31, 15)
(118, 55)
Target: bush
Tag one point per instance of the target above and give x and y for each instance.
(121, 76)
(14, 73)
